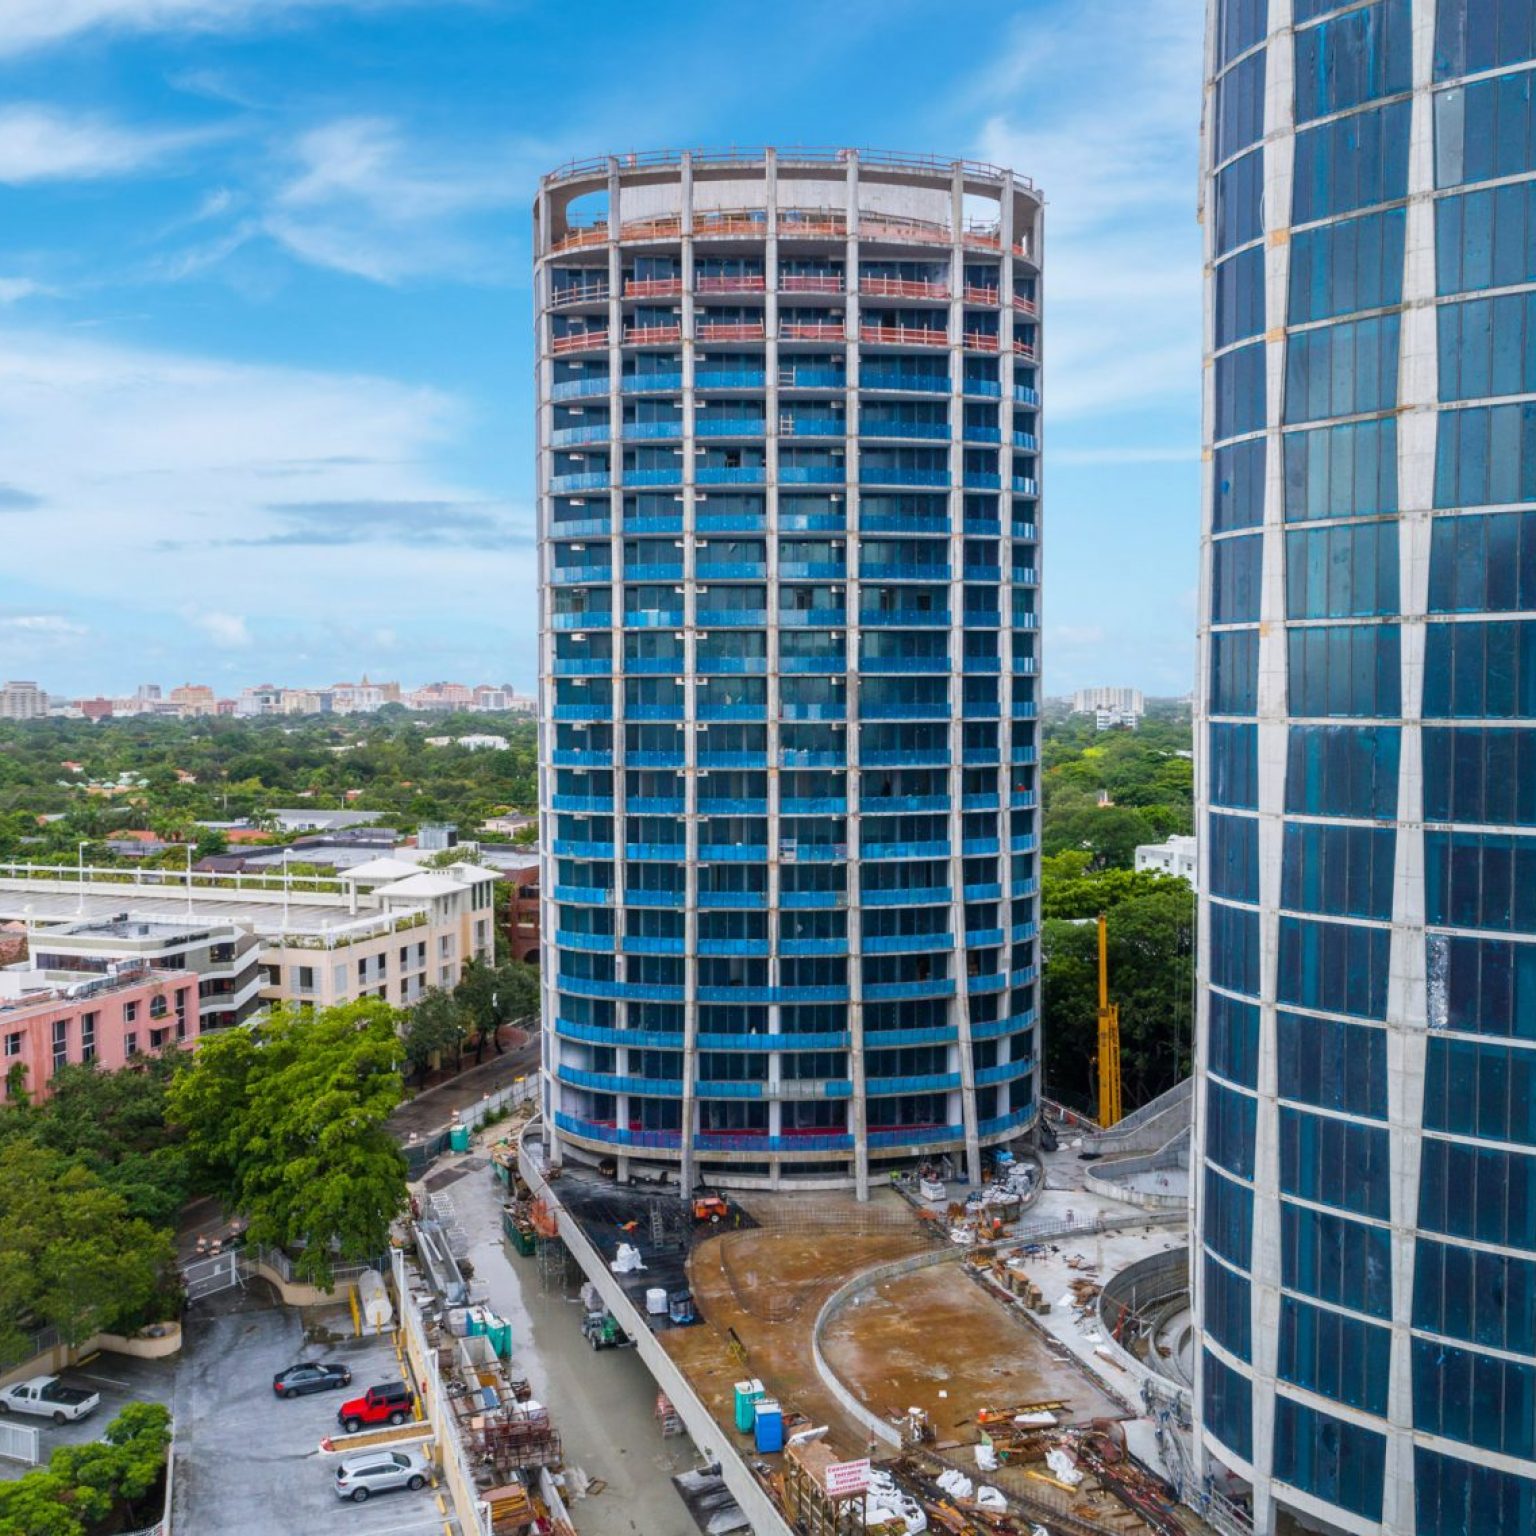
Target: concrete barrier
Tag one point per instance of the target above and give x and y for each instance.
(1157, 1278)
(56, 1357)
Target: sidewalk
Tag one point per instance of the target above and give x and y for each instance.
(432, 1110)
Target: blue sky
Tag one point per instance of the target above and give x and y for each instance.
(265, 356)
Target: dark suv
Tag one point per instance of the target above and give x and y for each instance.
(388, 1403)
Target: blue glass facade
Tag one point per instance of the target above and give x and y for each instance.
(789, 518)
(1366, 733)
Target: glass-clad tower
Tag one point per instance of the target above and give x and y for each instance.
(789, 535)
(1366, 1122)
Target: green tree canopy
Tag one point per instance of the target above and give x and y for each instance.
(287, 1124)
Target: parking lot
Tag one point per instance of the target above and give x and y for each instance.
(250, 1462)
(120, 1379)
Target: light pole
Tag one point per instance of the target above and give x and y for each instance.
(189, 878)
(80, 877)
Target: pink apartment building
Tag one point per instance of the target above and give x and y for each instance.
(48, 1018)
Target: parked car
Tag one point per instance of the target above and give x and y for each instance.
(49, 1398)
(316, 1376)
(388, 1403)
(380, 1472)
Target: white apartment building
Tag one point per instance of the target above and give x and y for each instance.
(1120, 701)
(1178, 856)
(22, 701)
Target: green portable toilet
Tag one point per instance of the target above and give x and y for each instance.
(458, 1138)
(499, 1331)
(747, 1394)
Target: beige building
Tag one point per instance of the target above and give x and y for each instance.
(22, 701)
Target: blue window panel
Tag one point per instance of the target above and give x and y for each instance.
(1239, 111)
(1237, 567)
(1480, 671)
(1479, 1297)
(1227, 1219)
(1348, 368)
(1234, 765)
(1334, 967)
(1453, 1497)
(1240, 391)
(1474, 35)
(1343, 1358)
(1351, 670)
(1487, 347)
(1477, 1399)
(1235, 672)
(1227, 1308)
(1239, 199)
(1332, 1459)
(1234, 948)
(1481, 1088)
(1352, 162)
(1344, 471)
(1482, 986)
(1486, 129)
(1234, 857)
(1480, 880)
(1476, 1192)
(1338, 269)
(1338, 871)
(1335, 1162)
(1483, 564)
(1486, 455)
(1333, 1065)
(1239, 25)
(1342, 770)
(1237, 496)
(1240, 297)
(1336, 1259)
(1227, 1405)
(1361, 56)
(1232, 1039)
(1344, 571)
(1231, 1121)
(1485, 239)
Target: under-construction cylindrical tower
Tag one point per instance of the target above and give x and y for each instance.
(789, 543)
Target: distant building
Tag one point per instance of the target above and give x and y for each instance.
(1120, 701)
(477, 743)
(96, 709)
(1115, 720)
(193, 699)
(53, 1018)
(306, 820)
(1178, 856)
(507, 826)
(22, 701)
(264, 699)
(522, 931)
(437, 836)
(444, 696)
(356, 698)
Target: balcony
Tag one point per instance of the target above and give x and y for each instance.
(902, 336)
(653, 287)
(976, 847)
(728, 666)
(654, 805)
(812, 474)
(582, 666)
(872, 377)
(1026, 395)
(721, 805)
(817, 805)
(902, 288)
(574, 848)
(926, 431)
(595, 943)
(812, 901)
(905, 618)
(926, 1082)
(598, 1034)
(745, 282)
(582, 713)
(915, 1135)
(886, 666)
(982, 480)
(986, 890)
(584, 895)
(904, 570)
(895, 1039)
(578, 575)
(579, 341)
(901, 805)
(708, 759)
(813, 618)
(661, 712)
(729, 426)
(653, 898)
(730, 221)
(589, 480)
(993, 1029)
(983, 938)
(720, 474)
(813, 330)
(639, 944)
(645, 992)
(907, 757)
(812, 570)
(813, 378)
(937, 848)
(980, 341)
(812, 282)
(651, 383)
(613, 1082)
(812, 424)
(574, 437)
(579, 389)
(752, 713)
(652, 335)
(654, 618)
(655, 853)
(651, 431)
(663, 227)
(903, 709)
(908, 944)
(611, 1135)
(569, 757)
(835, 709)
(640, 478)
(655, 573)
(727, 522)
(737, 901)
(975, 294)
(731, 618)
(876, 474)
(902, 522)
(582, 805)
(1024, 349)
(579, 293)
(1023, 485)
(806, 759)
(833, 947)
(732, 330)
(732, 378)
(1004, 1072)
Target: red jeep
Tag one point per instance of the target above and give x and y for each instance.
(387, 1403)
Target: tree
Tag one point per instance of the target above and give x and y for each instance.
(434, 1026)
(495, 995)
(73, 1256)
(1110, 833)
(287, 1123)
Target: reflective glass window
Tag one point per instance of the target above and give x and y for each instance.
(1233, 765)
(1239, 25)
(1335, 1162)
(1348, 60)
(1345, 670)
(1237, 498)
(1481, 1088)
(1227, 1218)
(1334, 967)
(1345, 571)
(1239, 200)
(1474, 35)
(1340, 1462)
(1240, 296)
(1486, 129)
(1486, 239)
(1354, 264)
(1232, 1039)
(1234, 857)
(1478, 1399)
(1480, 880)
(1239, 109)
(1227, 1308)
(1488, 347)
(1342, 1357)
(1336, 1259)
(1482, 986)
(1348, 368)
(1471, 1294)
(1482, 1193)
(1234, 948)
(1483, 564)
(1480, 671)
(1240, 391)
(1227, 1401)
(1234, 672)
(1333, 1065)
(1351, 162)
(1451, 1496)
(1342, 770)
(1338, 871)
(1236, 568)
(1230, 1122)
(1344, 471)
(1486, 456)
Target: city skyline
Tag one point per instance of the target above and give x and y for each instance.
(307, 264)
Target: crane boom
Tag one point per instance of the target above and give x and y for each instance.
(1109, 1038)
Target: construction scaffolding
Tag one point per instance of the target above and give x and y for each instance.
(555, 1265)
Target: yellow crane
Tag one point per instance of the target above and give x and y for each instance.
(1109, 1038)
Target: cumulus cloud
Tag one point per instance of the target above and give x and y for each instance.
(37, 627)
(14, 289)
(228, 631)
(14, 499)
(40, 143)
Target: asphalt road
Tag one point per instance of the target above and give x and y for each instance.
(431, 1111)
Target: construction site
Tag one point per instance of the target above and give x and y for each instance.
(1002, 1359)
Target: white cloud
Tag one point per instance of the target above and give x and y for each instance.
(27, 24)
(1099, 102)
(40, 143)
(37, 627)
(231, 490)
(14, 289)
(228, 631)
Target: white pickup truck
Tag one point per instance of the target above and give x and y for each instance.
(49, 1397)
